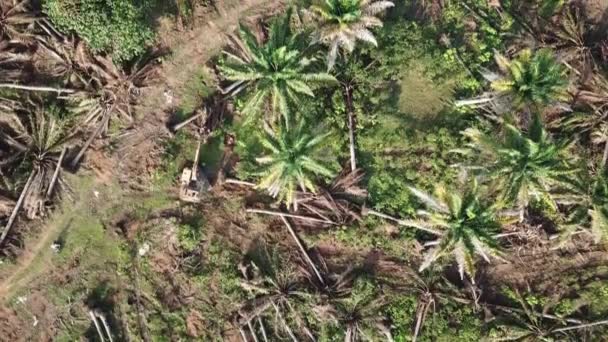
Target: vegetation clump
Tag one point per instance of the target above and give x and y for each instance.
(116, 27)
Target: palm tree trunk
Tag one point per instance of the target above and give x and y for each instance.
(282, 214)
(194, 175)
(348, 99)
(18, 206)
(85, 147)
(472, 102)
(55, 174)
(35, 88)
(303, 250)
(181, 125)
(252, 330)
(581, 326)
(243, 336)
(238, 182)
(285, 325)
(263, 329)
(366, 212)
(97, 327)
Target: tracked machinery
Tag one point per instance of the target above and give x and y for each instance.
(193, 182)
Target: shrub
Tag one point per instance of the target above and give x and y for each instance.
(116, 27)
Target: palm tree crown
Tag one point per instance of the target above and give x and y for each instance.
(35, 144)
(525, 164)
(468, 224)
(589, 194)
(291, 161)
(359, 313)
(277, 72)
(532, 79)
(342, 22)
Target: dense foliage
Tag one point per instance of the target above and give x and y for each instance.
(276, 74)
(117, 27)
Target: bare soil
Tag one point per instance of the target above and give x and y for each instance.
(545, 268)
(597, 10)
(11, 326)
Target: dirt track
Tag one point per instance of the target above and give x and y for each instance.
(41, 250)
(191, 49)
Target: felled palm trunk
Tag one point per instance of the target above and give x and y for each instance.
(198, 114)
(303, 250)
(18, 206)
(350, 109)
(56, 174)
(37, 88)
(104, 122)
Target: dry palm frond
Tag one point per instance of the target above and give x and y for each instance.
(595, 92)
(36, 142)
(16, 18)
(7, 203)
(111, 91)
(339, 202)
(15, 60)
(111, 87)
(571, 40)
(57, 58)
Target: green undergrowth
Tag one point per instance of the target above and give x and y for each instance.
(116, 27)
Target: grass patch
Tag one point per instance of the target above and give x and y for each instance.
(201, 85)
(420, 95)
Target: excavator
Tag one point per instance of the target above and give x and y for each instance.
(192, 182)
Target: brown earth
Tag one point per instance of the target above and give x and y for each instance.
(548, 269)
(11, 326)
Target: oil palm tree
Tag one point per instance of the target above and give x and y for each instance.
(532, 79)
(360, 319)
(277, 289)
(277, 73)
(291, 162)
(341, 23)
(467, 221)
(572, 38)
(531, 323)
(37, 143)
(525, 165)
(592, 124)
(589, 197)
